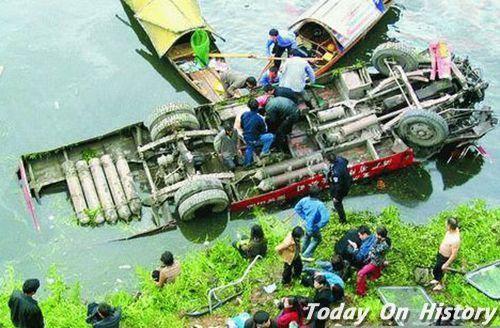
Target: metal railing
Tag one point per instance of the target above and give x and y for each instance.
(211, 292)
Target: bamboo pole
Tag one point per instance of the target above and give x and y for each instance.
(253, 56)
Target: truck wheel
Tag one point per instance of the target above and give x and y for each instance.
(196, 186)
(423, 128)
(170, 118)
(398, 53)
(173, 123)
(160, 112)
(215, 199)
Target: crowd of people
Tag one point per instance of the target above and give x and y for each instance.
(270, 117)
(267, 124)
(357, 250)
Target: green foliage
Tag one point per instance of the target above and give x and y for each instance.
(35, 156)
(220, 264)
(92, 214)
(88, 154)
(338, 71)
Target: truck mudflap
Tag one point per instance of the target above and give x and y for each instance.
(358, 171)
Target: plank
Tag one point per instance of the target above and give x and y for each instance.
(180, 51)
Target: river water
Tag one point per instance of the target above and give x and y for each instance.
(73, 71)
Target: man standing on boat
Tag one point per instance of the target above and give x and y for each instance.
(232, 81)
(340, 181)
(226, 146)
(279, 42)
(255, 132)
(294, 75)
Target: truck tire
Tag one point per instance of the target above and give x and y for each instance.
(423, 128)
(404, 56)
(172, 123)
(216, 199)
(161, 112)
(196, 186)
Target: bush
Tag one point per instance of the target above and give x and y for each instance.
(412, 245)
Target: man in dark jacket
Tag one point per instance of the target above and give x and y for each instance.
(281, 115)
(360, 252)
(323, 297)
(24, 310)
(103, 315)
(340, 181)
(342, 247)
(255, 132)
(281, 92)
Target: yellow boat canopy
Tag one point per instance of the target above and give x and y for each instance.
(165, 21)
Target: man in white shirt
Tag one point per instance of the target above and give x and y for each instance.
(295, 73)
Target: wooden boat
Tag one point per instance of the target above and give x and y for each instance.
(330, 28)
(169, 25)
(377, 122)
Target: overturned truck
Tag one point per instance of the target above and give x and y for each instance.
(380, 118)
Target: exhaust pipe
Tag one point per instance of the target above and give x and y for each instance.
(290, 177)
(288, 165)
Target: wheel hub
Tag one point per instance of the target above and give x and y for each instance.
(422, 131)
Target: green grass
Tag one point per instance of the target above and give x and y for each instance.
(220, 264)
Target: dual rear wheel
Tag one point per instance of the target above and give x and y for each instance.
(196, 195)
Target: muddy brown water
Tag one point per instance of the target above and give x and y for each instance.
(73, 71)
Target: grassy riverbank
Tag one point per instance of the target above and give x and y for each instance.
(219, 264)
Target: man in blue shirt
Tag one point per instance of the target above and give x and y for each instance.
(280, 42)
(360, 254)
(316, 216)
(255, 132)
(270, 77)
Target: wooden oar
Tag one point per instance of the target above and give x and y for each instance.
(253, 56)
(154, 231)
